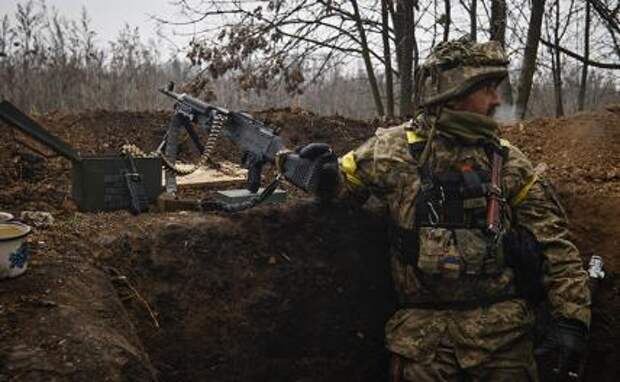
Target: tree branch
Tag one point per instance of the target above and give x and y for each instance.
(610, 17)
(602, 65)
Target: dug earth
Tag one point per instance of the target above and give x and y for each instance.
(290, 292)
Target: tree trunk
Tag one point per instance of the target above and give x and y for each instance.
(586, 55)
(447, 21)
(416, 51)
(414, 80)
(529, 57)
(387, 57)
(611, 17)
(404, 33)
(473, 22)
(374, 87)
(498, 21)
(498, 33)
(557, 57)
(437, 22)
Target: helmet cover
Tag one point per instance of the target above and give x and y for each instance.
(455, 66)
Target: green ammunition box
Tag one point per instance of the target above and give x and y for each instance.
(98, 182)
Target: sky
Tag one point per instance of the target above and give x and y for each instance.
(109, 16)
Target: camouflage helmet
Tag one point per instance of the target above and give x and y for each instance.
(454, 67)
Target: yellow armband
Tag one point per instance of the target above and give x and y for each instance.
(413, 137)
(522, 194)
(520, 197)
(349, 168)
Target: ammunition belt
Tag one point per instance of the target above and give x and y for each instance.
(205, 159)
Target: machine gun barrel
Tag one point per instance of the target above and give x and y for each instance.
(194, 103)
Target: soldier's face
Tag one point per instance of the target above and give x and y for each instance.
(483, 101)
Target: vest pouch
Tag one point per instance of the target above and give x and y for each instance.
(473, 246)
(438, 254)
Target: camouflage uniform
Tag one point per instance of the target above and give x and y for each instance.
(481, 326)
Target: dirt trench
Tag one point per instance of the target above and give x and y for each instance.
(595, 224)
(300, 292)
(297, 293)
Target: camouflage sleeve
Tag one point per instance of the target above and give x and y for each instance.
(537, 208)
(359, 172)
(356, 175)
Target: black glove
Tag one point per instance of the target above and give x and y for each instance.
(328, 170)
(568, 339)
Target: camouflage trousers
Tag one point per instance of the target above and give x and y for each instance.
(514, 363)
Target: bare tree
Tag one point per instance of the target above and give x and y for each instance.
(580, 58)
(278, 47)
(610, 15)
(472, 12)
(29, 22)
(447, 19)
(404, 35)
(557, 25)
(557, 62)
(530, 55)
(441, 20)
(498, 21)
(498, 33)
(473, 20)
(387, 58)
(50, 62)
(266, 45)
(611, 18)
(262, 44)
(367, 61)
(586, 55)
(601, 45)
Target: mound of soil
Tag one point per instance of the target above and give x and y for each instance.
(295, 292)
(582, 151)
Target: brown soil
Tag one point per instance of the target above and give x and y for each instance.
(295, 292)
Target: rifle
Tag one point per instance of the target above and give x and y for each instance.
(495, 196)
(260, 143)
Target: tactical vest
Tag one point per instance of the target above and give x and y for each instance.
(450, 239)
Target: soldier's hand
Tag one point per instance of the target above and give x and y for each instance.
(328, 171)
(567, 339)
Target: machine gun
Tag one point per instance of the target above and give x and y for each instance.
(260, 144)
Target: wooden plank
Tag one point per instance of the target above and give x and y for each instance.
(230, 173)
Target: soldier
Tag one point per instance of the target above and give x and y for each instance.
(469, 255)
